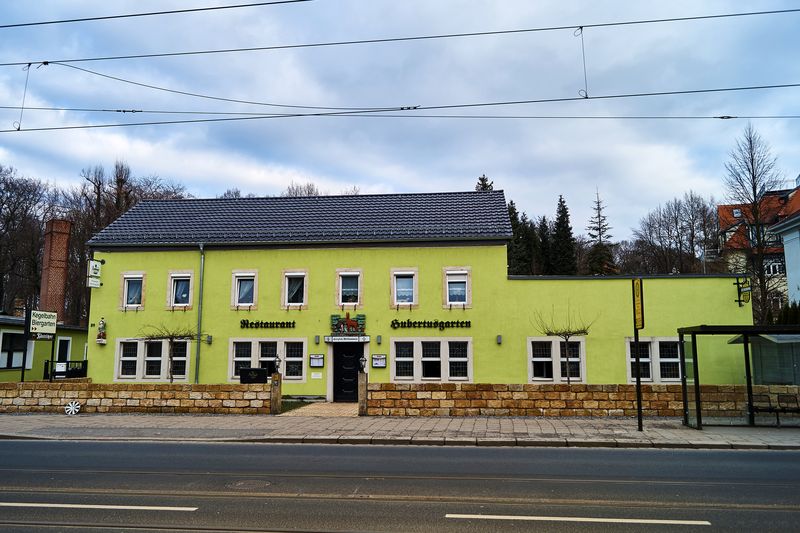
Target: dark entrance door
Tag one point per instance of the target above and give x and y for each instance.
(345, 370)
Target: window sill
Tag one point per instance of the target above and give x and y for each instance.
(294, 307)
(126, 308)
(174, 308)
(243, 307)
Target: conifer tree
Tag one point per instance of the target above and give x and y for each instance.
(563, 245)
(484, 184)
(599, 260)
(519, 249)
(542, 263)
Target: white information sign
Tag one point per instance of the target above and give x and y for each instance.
(94, 269)
(93, 283)
(43, 322)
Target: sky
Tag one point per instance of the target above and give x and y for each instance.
(634, 164)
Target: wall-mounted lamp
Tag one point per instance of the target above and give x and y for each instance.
(316, 339)
(277, 364)
(499, 339)
(362, 362)
(378, 339)
(209, 338)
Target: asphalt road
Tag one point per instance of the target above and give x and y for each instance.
(113, 486)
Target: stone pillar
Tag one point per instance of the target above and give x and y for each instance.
(54, 266)
(362, 393)
(275, 396)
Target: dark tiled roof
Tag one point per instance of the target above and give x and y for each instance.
(450, 216)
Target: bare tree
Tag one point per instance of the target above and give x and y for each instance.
(568, 327)
(171, 334)
(301, 189)
(751, 173)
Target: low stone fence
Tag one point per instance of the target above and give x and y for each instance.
(482, 399)
(43, 396)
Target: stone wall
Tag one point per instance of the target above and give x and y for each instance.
(43, 396)
(481, 399)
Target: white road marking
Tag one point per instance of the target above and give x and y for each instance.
(90, 506)
(579, 519)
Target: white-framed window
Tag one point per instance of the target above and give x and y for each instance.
(431, 359)
(12, 350)
(553, 360)
(295, 289)
(244, 289)
(645, 368)
(774, 267)
(659, 358)
(737, 213)
(149, 360)
(404, 288)
(349, 287)
(180, 290)
(132, 291)
(262, 353)
(457, 289)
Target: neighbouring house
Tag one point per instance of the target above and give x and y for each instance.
(788, 230)
(738, 234)
(67, 347)
(414, 287)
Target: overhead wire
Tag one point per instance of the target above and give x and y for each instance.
(421, 108)
(403, 39)
(148, 14)
(408, 115)
(206, 96)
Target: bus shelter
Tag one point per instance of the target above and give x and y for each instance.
(752, 375)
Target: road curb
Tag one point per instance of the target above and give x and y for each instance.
(522, 442)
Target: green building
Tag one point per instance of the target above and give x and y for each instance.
(197, 290)
(67, 347)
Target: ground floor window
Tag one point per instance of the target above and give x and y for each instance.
(12, 350)
(152, 360)
(552, 359)
(659, 359)
(431, 359)
(266, 353)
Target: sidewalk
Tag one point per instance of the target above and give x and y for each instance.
(459, 431)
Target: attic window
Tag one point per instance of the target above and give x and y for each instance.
(737, 213)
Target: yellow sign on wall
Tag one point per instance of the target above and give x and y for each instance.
(638, 304)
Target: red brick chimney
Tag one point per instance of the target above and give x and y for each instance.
(54, 266)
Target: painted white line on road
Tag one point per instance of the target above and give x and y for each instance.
(90, 506)
(579, 519)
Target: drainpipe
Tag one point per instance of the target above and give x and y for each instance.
(199, 316)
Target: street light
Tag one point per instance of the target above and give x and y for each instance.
(277, 364)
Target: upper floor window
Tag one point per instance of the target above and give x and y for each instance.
(737, 213)
(457, 287)
(244, 289)
(404, 287)
(295, 289)
(555, 360)
(349, 287)
(180, 284)
(132, 296)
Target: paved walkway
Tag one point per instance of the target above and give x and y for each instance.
(464, 431)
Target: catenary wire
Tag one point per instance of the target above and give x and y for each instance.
(210, 97)
(148, 14)
(412, 115)
(421, 108)
(403, 39)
